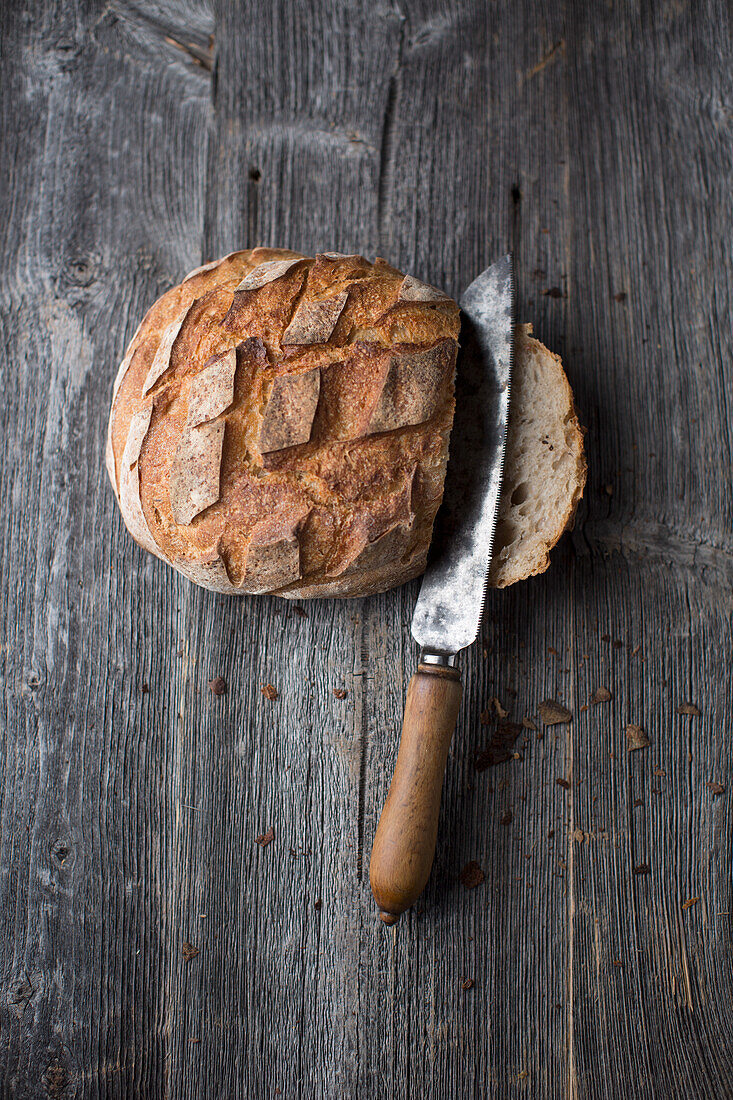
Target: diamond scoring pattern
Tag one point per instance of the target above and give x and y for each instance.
(373, 389)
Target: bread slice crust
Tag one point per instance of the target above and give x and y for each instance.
(545, 466)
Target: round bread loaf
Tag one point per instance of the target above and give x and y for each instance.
(280, 423)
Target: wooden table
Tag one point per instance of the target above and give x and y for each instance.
(592, 139)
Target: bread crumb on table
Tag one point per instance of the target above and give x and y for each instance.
(472, 875)
(500, 747)
(636, 737)
(553, 713)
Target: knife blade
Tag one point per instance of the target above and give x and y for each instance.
(449, 608)
(450, 605)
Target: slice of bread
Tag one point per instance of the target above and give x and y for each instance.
(545, 467)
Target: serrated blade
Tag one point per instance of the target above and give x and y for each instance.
(451, 600)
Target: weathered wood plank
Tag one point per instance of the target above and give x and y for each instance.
(652, 177)
(484, 180)
(106, 148)
(295, 162)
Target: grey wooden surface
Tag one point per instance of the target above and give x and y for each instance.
(594, 139)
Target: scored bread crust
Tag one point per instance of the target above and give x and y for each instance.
(280, 423)
(545, 467)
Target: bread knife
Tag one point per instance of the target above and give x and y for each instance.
(450, 605)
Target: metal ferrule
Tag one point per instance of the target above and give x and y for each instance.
(443, 660)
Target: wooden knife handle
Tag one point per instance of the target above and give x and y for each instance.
(404, 845)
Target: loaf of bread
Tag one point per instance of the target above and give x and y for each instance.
(280, 423)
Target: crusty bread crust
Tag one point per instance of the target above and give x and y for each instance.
(280, 423)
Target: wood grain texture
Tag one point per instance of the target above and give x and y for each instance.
(105, 133)
(595, 140)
